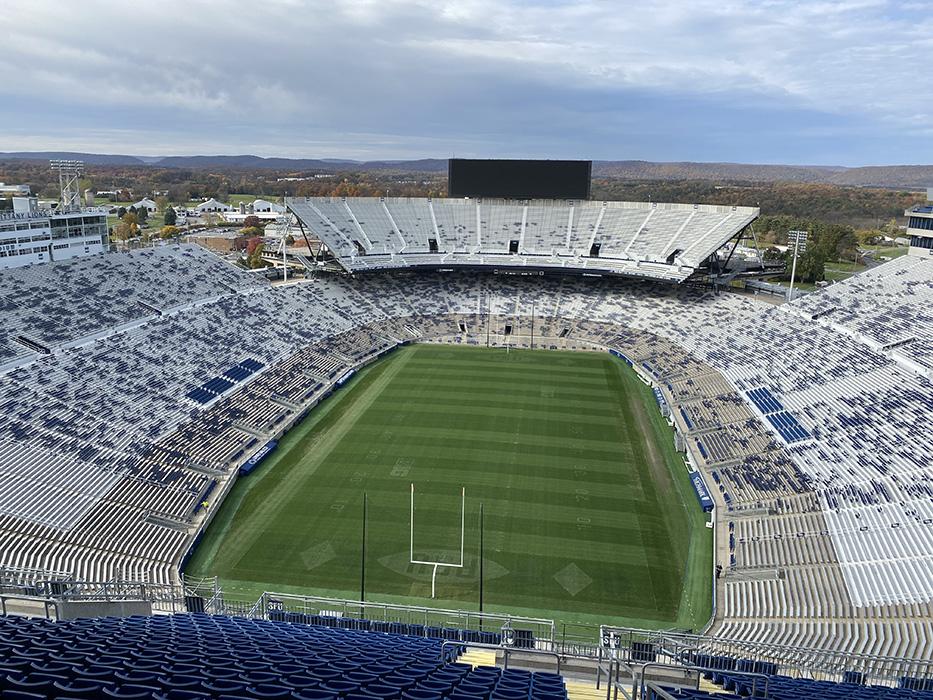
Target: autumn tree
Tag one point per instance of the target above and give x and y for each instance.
(128, 227)
(254, 256)
(252, 244)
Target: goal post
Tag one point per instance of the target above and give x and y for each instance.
(435, 564)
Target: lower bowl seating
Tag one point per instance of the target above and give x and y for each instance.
(198, 657)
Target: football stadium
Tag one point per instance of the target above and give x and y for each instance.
(512, 443)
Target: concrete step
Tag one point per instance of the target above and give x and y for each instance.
(580, 690)
(478, 657)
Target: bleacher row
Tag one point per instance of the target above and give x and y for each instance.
(200, 657)
(665, 241)
(886, 307)
(55, 304)
(140, 457)
(765, 683)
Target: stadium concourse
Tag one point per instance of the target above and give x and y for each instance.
(134, 385)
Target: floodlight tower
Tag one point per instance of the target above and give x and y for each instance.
(284, 223)
(799, 241)
(69, 172)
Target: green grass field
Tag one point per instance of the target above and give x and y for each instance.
(589, 515)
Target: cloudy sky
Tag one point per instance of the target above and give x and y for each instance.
(843, 82)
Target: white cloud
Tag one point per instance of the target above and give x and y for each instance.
(411, 68)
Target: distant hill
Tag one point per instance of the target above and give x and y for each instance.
(894, 176)
(645, 170)
(296, 164)
(89, 158)
(910, 176)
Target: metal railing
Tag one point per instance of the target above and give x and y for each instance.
(684, 649)
(542, 630)
(607, 644)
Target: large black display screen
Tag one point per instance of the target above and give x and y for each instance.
(519, 179)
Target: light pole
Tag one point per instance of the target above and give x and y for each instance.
(799, 241)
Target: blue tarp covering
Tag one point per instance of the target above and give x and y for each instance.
(346, 377)
(200, 395)
(217, 385)
(251, 364)
(618, 354)
(237, 374)
(258, 456)
(659, 397)
(689, 423)
(784, 422)
(788, 427)
(765, 400)
(702, 493)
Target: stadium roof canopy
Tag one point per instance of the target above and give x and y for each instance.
(642, 239)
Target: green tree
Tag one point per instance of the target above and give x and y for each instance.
(170, 218)
(811, 265)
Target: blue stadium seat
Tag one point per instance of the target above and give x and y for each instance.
(197, 656)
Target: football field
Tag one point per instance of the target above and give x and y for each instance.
(588, 512)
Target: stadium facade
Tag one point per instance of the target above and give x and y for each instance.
(649, 240)
(920, 227)
(30, 235)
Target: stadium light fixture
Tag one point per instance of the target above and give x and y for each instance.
(69, 173)
(799, 241)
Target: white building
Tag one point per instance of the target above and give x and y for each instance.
(262, 209)
(212, 206)
(920, 227)
(30, 235)
(147, 204)
(260, 206)
(15, 190)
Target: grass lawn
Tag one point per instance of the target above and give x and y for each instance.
(886, 251)
(589, 514)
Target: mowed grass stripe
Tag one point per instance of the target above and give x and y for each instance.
(552, 444)
(468, 453)
(580, 405)
(489, 427)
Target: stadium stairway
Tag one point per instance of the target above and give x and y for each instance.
(576, 690)
(478, 657)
